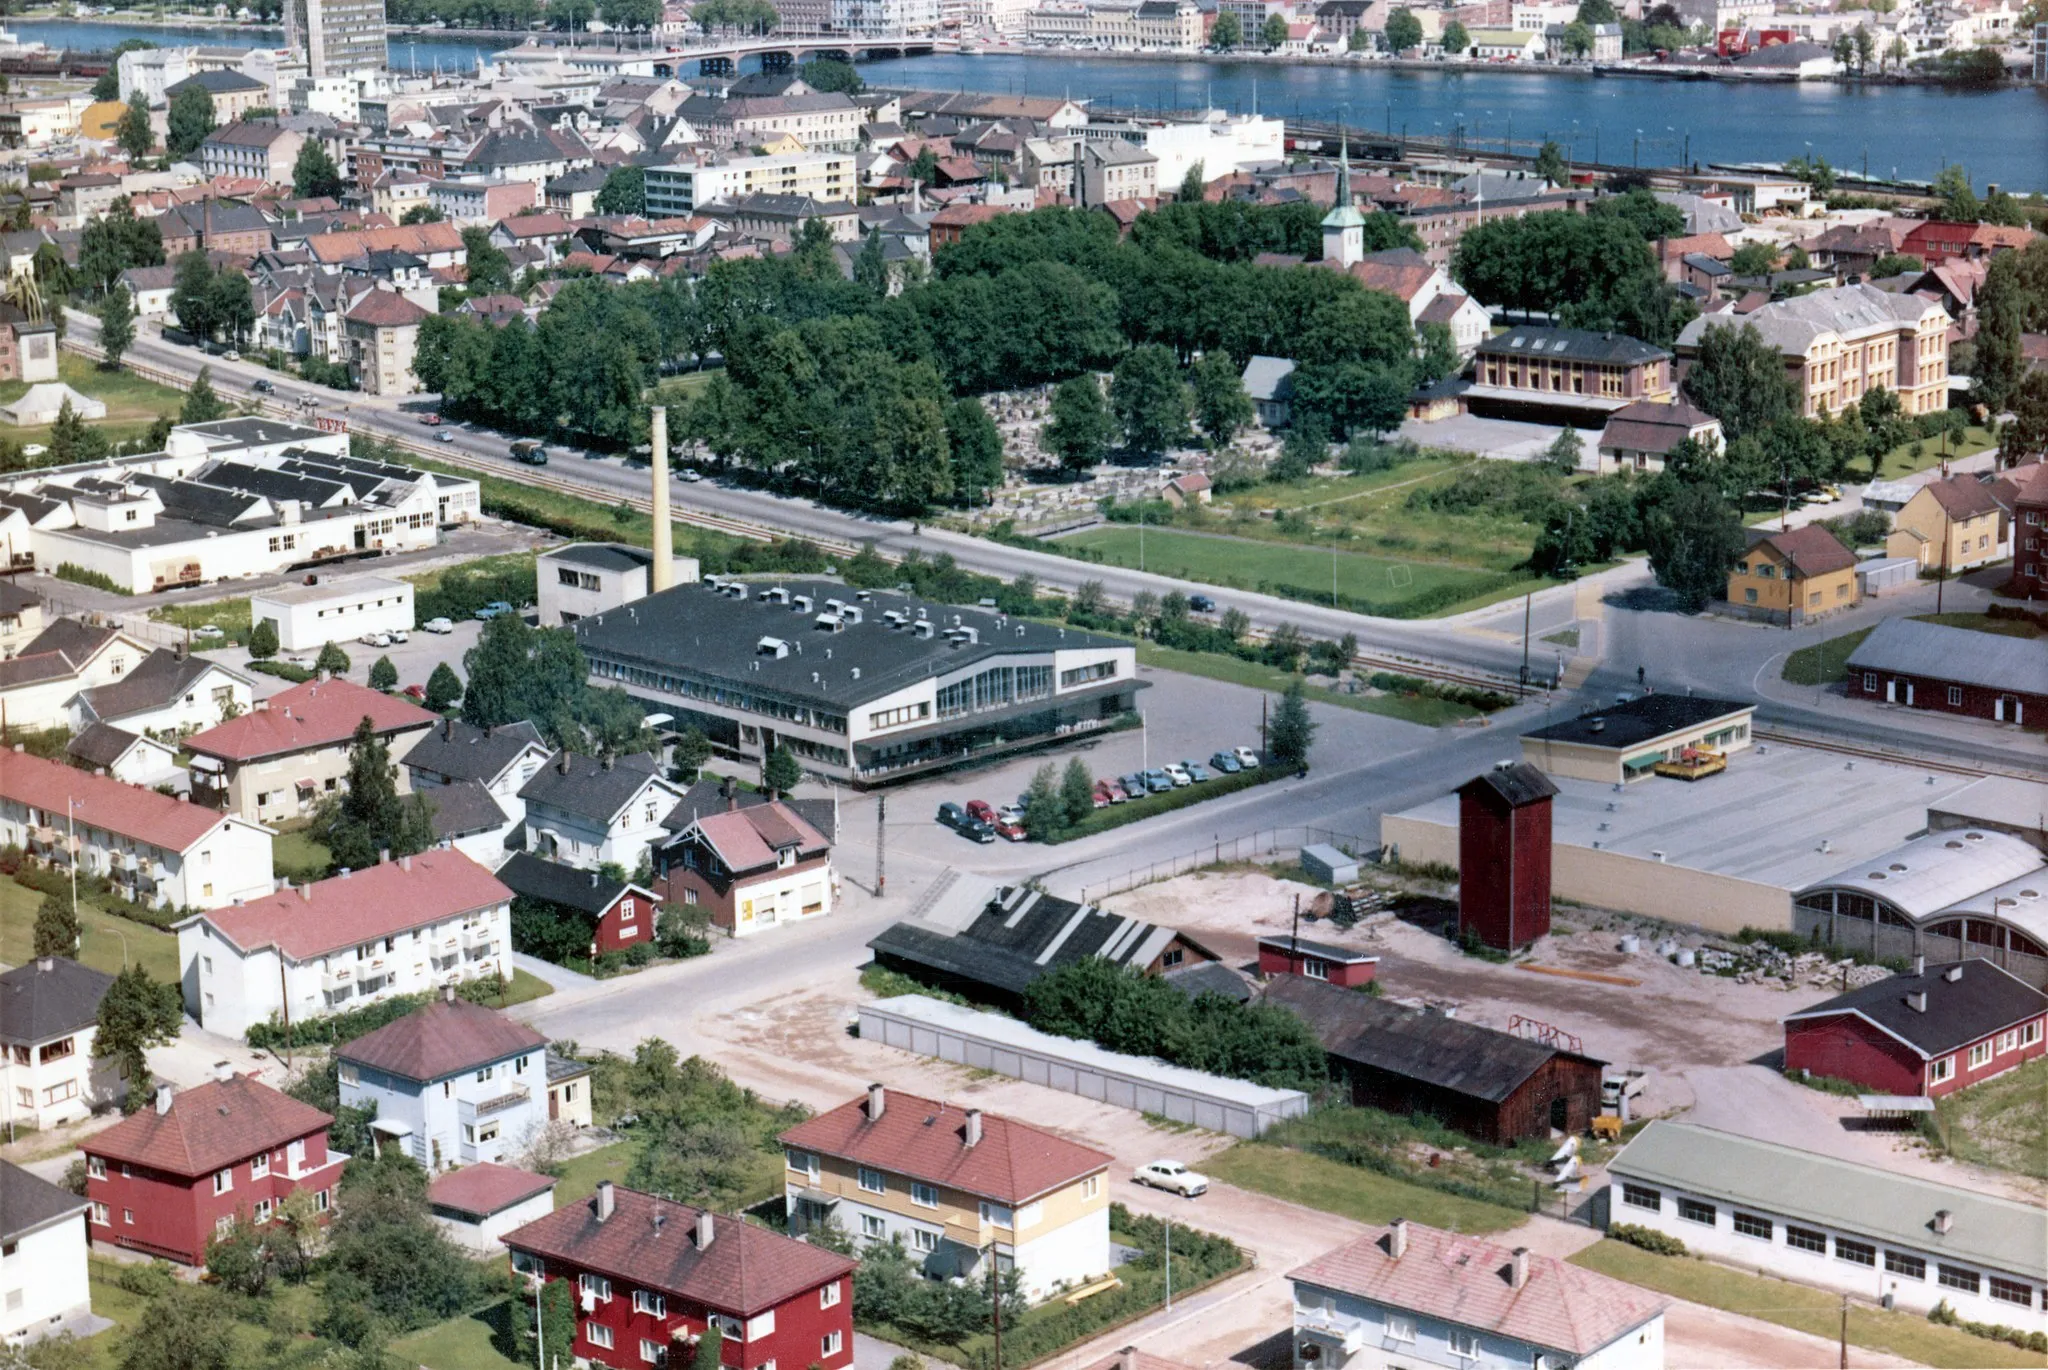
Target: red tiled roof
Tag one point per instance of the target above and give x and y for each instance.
(419, 239)
(747, 839)
(444, 1037)
(317, 713)
(1812, 550)
(1964, 497)
(743, 1271)
(209, 1127)
(1465, 1281)
(485, 1188)
(381, 901)
(1013, 1162)
(104, 802)
(536, 226)
(2027, 485)
(385, 309)
(1399, 279)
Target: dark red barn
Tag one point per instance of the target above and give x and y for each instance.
(1345, 966)
(1504, 855)
(1930, 1031)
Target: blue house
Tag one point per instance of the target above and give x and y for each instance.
(454, 1083)
(1413, 1296)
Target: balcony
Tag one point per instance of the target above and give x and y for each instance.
(475, 1110)
(338, 980)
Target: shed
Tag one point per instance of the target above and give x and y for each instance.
(1325, 864)
(1348, 967)
(989, 1041)
(1886, 575)
(478, 1204)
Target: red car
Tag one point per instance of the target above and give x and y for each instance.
(1012, 832)
(1105, 794)
(980, 812)
(418, 692)
(431, 420)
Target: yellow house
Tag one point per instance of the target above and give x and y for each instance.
(568, 1090)
(779, 144)
(1803, 572)
(1950, 525)
(956, 1186)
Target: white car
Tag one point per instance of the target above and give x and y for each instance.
(208, 630)
(1010, 813)
(438, 625)
(398, 635)
(1173, 1177)
(689, 475)
(1246, 757)
(375, 639)
(1178, 774)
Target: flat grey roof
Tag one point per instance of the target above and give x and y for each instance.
(351, 587)
(1929, 874)
(1840, 1193)
(1763, 820)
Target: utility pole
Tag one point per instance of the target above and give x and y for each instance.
(881, 839)
(1169, 1221)
(540, 1330)
(1845, 1332)
(1528, 603)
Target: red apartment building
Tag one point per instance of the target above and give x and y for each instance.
(2027, 489)
(650, 1275)
(166, 1179)
(1936, 241)
(1932, 1031)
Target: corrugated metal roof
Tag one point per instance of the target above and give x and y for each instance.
(1936, 871)
(1961, 656)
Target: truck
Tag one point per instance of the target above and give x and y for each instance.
(529, 454)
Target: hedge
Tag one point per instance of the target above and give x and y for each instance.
(1131, 811)
(1648, 1238)
(78, 575)
(1415, 606)
(283, 670)
(95, 890)
(1945, 1316)
(330, 1028)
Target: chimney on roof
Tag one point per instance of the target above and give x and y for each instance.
(731, 793)
(223, 1071)
(707, 1229)
(448, 730)
(1518, 1268)
(447, 994)
(405, 863)
(562, 763)
(973, 1132)
(877, 1100)
(1919, 965)
(384, 856)
(1943, 1221)
(163, 1103)
(1127, 1359)
(604, 1200)
(1917, 1001)
(593, 879)
(1397, 1238)
(606, 762)
(46, 964)
(344, 872)
(1952, 974)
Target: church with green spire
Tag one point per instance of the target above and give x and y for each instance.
(1343, 226)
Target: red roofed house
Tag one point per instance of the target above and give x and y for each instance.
(399, 927)
(278, 760)
(1934, 241)
(166, 1179)
(382, 333)
(1443, 1298)
(952, 221)
(478, 1204)
(650, 1275)
(157, 849)
(955, 1186)
(753, 868)
(1192, 486)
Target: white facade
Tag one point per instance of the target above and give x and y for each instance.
(679, 190)
(43, 1277)
(1336, 1330)
(336, 610)
(587, 842)
(486, 1238)
(36, 704)
(796, 896)
(148, 763)
(491, 1111)
(588, 578)
(230, 990)
(1219, 145)
(49, 1083)
(208, 699)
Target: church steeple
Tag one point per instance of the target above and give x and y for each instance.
(1343, 226)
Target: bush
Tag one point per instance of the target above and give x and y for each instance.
(78, 575)
(150, 1281)
(1648, 1238)
(283, 670)
(331, 1028)
(466, 589)
(1520, 490)
(1946, 1316)
(1486, 701)
(2015, 614)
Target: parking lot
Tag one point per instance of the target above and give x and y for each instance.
(415, 659)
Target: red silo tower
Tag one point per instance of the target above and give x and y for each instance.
(1504, 855)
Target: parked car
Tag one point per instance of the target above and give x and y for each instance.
(231, 355)
(208, 630)
(375, 639)
(1011, 831)
(955, 817)
(493, 609)
(438, 625)
(263, 388)
(689, 475)
(1197, 772)
(399, 635)
(1010, 813)
(529, 453)
(1201, 604)
(1106, 794)
(1225, 764)
(1173, 1177)
(417, 693)
(1134, 785)
(431, 420)
(1157, 782)
(445, 436)
(980, 812)
(1175, 772)
(1246, 757)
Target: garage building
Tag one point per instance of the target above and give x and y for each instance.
(334, 609)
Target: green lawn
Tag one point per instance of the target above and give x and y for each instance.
(1323, 490)
(101, 943)
(1393, 587)
(580, 1175)
(1352, 1191)
(465, 1343)
(525, 987)
(483, 566)
(1430, 713)
(676, 391)
(2001, 1122)
(1900, 461)
(299, 854)
(132, 402)
(1801, 1307)
(1983, 623)
(1824, 662)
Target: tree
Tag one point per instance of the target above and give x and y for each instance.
(388, 1265)
(1959, 202)
(263, 639)
(1637, 207)
(1221, 405)
(1077, 789)
(1359, 41)
(1896, 264)
(56, 927)
(1597, 12)
(107, 87)
(383, 675)
(1550, 164)
(1740, 379)
(1227, 33)
(710, 1349)
(1307, 444)
(489, 270)
(117, 325)
(236, 1260)
(444, 687)
(1455, 39)
(557, 1326)
(136, 1013)
(624, 191)
(781, 772)
(1563, 452)
(1404, 31)
(71, 440)
(831, 76)
(1150, 399)
(1754, 259)
(1273, 33)
(1578, 38)
(186, 1329)
(331, 660)
(369, 817)
(191, 118)
(1693, 538)
(422, 213)
(111, 244)
(132, 131)
(976, 448)
(1291, 732)
(1079, 430)
(1439, 356)
(193, 301)
(2026, 433)
(692, 750)
(314, 174)
(1045, 807)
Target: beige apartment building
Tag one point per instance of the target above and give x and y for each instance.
(958, 1187)
(1841, 344)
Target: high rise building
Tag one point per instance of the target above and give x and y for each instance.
(339, 37)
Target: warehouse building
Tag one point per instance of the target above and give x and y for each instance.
(334, 609)
(1952, 670)
(865, 686)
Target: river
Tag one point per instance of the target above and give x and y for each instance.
(1910, 131)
